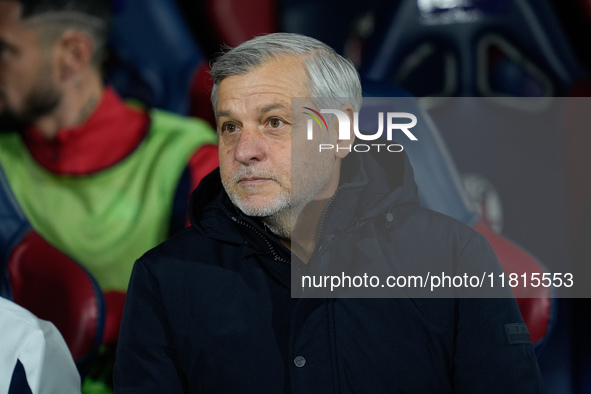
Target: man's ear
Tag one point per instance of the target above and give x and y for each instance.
(76, 50)
(345, 146)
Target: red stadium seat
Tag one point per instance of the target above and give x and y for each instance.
(56, 288)
(534, 302)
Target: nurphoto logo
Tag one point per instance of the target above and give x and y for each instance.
(345, 129)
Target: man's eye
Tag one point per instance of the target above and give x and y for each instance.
(229, 128)
(275, 123)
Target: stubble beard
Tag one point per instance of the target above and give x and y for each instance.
(276, 215)
(282, 212)
(42, 100)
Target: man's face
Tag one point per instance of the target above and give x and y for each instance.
(255, 148)
(27, 87)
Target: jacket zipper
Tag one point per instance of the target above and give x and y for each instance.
(265, 238)
(321, 228)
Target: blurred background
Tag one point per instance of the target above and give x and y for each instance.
(526, 187)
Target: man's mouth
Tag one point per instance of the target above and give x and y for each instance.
(253, 180)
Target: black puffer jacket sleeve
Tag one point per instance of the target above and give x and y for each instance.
(146, 363)
(493, 352)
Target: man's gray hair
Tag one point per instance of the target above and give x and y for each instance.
(332, 79)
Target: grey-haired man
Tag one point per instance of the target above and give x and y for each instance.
(211, 310)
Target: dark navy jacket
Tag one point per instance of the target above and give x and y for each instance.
(210, 310)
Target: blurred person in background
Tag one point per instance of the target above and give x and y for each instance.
(100, 180)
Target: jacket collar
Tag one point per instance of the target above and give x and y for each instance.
(211, 210)
(109, 135)
(371, 186)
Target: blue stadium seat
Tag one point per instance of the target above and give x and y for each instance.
(155, 55)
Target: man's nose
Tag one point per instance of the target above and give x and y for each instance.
(251, 146)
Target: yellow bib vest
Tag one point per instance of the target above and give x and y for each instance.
(108, 219)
